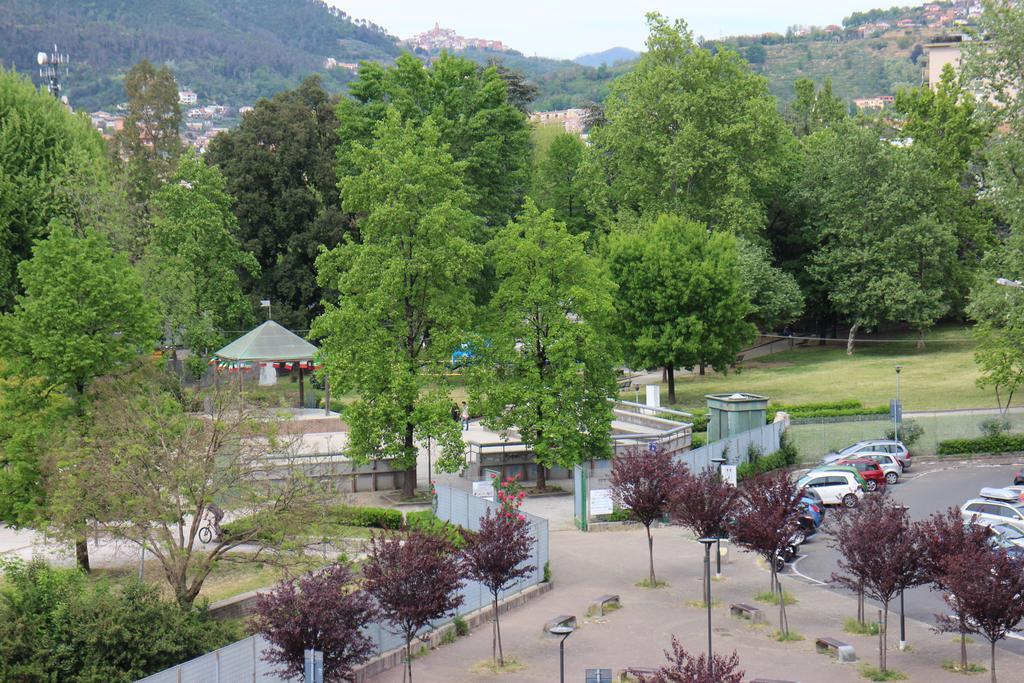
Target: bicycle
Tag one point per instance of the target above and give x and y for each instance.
(206, 534)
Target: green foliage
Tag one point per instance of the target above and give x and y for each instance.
(279, 167)
(48, 158)
(405, 293)
(994, 426)
(547, 572)
(232, 52)
(426, 521)
(378, 518)
(873, 674)
(83, 313)
(690, 132)
(911, 432)
(786, 456)
(549, 357)
(461, 627)
(813, 110)
(775, 296)
(470, 113)
(855, 627)
(57, 625)
(678, 307)
(826, 409)
(193, 260)
(772, 598)
(557, 183)
(1004, 443)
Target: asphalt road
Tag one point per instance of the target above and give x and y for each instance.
(924, 491)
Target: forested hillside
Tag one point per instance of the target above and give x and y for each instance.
(230, 51)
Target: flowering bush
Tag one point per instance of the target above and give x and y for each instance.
(510, 495)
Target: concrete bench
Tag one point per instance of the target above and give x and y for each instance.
(842, 650)
(745, 611)
(604, 601)
(633, 673)
(560, 620)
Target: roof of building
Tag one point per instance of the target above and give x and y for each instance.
(268, 342)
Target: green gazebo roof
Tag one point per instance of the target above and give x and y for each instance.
(268, 342)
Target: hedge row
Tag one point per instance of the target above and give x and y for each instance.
(1002, 443)
(426, 521)
(374, 518)
(804, 412)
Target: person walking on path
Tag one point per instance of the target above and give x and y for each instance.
(465, 416)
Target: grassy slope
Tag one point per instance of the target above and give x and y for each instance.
(940, 377)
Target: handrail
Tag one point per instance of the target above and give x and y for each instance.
(644, 406)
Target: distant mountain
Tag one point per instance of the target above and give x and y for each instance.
(228, 51)
(610, 57)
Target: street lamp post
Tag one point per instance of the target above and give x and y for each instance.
(707, 595)
(898, 413)
(903, 620)
(565, 632)
(718, 462)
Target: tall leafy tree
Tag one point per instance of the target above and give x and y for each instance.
(150, 143)
(472, 113)
(815, 109)
(888, 247)
(558, 184)
(679, 307)
(775, 296)
(48, 159)
(551, 373)
(194, 259)
(279, 165)
(83, 315)
(691, 132)
(404, 294)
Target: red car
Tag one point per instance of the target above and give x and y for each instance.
(869, 469)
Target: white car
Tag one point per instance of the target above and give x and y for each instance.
(835, 487)
(995, 507)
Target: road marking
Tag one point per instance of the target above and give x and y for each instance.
(802, 575)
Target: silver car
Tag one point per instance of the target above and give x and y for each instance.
(895, 448)
(995, 507)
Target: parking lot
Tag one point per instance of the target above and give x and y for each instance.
(925, 489)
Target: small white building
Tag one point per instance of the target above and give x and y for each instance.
(187, 97)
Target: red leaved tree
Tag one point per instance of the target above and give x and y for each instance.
(494, 556)
(685, 668)
(415, 580)
(847, 536)
(322, 611)
(986, 590)
(945, 538)
(704, 504)
(643, 482)
(767, 516)
(890, 558)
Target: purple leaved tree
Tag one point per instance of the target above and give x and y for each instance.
(685, 668)
(945, 538)
(495, 556)
(323, 611)
(643, 482)
(767, 516)
(703, 503)
(882, 524)
(986, 591)
(415, 580)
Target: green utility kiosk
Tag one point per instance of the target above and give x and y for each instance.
(732, 414)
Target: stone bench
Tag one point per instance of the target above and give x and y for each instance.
(560, 620)
(601, 602)
(633, 673)
(842, 650)
(745, 611)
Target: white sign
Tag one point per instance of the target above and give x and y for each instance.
(484, 489)
(601, 502)
(729, 474)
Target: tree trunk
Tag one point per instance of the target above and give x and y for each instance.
(783, 624)
(702, 368)
(920, 340)
(650, 552)
(992, 659)
(409, 483)
(860, 604)
(850, 339)
(883, 652)
(670, 371)
(497, 630)
(82, 552)
(542, 477)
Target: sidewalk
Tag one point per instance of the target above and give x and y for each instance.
(585, 566)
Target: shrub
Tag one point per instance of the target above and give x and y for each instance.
(547, 572)
(700, 422)
(1004, 443)
(375, 518)
(461, 627)
(829, 409)
(786, 456)
(55, 624)
(427, 522)
(910, 432)
(994, 426)
(698, 440)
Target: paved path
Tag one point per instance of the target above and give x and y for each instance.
(586, 565)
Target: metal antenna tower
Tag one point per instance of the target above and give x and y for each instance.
(50, 70)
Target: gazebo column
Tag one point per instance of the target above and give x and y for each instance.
(302, 389)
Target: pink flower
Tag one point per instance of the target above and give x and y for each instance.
(522, 518)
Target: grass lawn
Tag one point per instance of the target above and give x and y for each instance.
(940, 377)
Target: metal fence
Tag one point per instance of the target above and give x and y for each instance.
(242, 662)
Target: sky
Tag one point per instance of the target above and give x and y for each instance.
(568, 28)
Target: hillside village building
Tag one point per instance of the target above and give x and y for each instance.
(439, 38)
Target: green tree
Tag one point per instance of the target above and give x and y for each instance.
(559, 186)
(194, 260)
(547, 368)
(888, 249)
(690, 132)
(681, 307)
(48, 158)
(815, 109)
(775, 296)
(471, 113)
(150, 142)
(405, 294)
(83, 315)
(279, 167)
